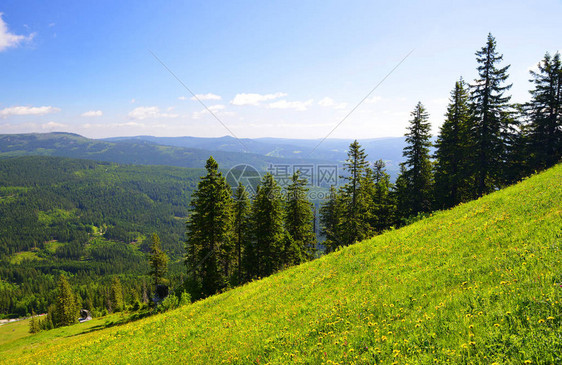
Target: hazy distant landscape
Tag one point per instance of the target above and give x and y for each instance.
(358, 182)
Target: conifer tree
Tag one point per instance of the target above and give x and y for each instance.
(400, 197)
(66, 312)
(299, 221)
(241, 225)
(545, 113)
(158, 261)
(264, 251)
(491, 122)
(355, 201)
(116, 295)
(383, 206)
(209, 232)
(452, 167)
(34, 323)
(330, 221)
(417, 174)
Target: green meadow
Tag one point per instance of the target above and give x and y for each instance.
(480, 283)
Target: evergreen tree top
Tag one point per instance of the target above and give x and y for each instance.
(212, 164)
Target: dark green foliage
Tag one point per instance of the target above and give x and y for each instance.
(545, 114)
(34, 325)
(209, 243)
(354, 198)
(265, 248)
(116, 295)
(330, 215)
(241, 226)
(158, 261)
(491, 125)
(453, 183)
(63, 213)
(416, 177)
(383, 205)
(299, 223)
(66, 312)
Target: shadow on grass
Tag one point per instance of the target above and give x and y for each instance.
(121, 321)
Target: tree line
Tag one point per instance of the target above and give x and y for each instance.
(232, 239)
(484, 144)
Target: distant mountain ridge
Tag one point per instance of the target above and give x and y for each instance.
(388, 149)
(130, 151)
(194, 151)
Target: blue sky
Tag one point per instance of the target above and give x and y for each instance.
(279, 69)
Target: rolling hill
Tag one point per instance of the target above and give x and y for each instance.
(131, 151)
(86, 218)
(479, 283)
(332, 149)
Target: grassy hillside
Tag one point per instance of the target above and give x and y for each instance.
(476, 284)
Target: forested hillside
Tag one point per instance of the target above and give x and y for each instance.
(130, 151)
(89, 219)
(479, 283)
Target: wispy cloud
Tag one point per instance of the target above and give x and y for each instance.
(373, 99)
(92, 113)
(296, 105)
(144, 112)
(52, 125)
(330, 103)
(254, 99)
(216, 109)
(209, 96)
(8, 40)
(28, 110)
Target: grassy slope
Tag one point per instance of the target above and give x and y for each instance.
(19, 331)
(478, 283)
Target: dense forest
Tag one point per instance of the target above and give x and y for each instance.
(93, 220)
(89, 219)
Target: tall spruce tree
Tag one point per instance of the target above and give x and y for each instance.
(545, 114)
(209, 233)
(330, 215)
(299, 221)
(417, 172)
(265, 248)
(491, 122)
(66, 312)
(34, 326)
(383, 206)
(116, 295)
(354, 197)
(453, 183)
(158, 261)
(241, 226)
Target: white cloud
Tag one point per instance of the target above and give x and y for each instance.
(329, 102)
(8, 39)
(133, 101)
(216, 109)
(52, 125)
(182, 97)
(373, 100)
(296, 105)
(92, 113)
(254, 99)
(28, 110)
(144, 112)
(209, 96)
